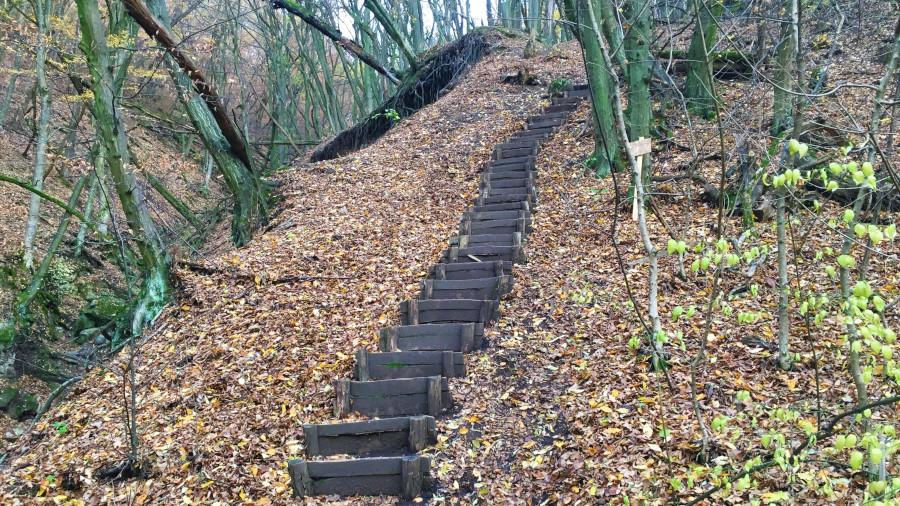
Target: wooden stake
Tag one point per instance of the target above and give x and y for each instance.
(639, 149)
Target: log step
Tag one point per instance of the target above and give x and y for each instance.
(405, 476)
(509, 171)
(486, 253)
(483, 200)
(408, 364)
(392, 397)
(528, 190)
(569, 108)
(462, 337)
(519, 160)
(468, 227)
(524, 181)
(503, 206)
(473, 270)
(413, 311)
(464, 241)
(566, 100)
(578, 93)
(482, 288)
(496, 215)
(503, 153)
(386, 436)
(545, 123)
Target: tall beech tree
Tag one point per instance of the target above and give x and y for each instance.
(41, 9)
(154, 290)
(698, 86)
(210, 117)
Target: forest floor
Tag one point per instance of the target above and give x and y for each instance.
(557, 409)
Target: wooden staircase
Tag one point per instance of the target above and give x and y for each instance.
(405, 384)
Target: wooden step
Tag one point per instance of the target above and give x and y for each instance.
(565, 100)
(463, 337)
(496, 192)
(492, 176)
(387, 436)
(470, 271)
(525, 182)
(568, 108)
(580, 93)
(519, 160)
(405, 477)
(496, 215)
(546, 123)
(413, 311)
(482, 288)
(515, 143)
(501, 153)
(408, 364)
(483, 200)
(545, 116)
(468, 227)
(464, 241)
(531, 134)
(392, 397)
(503, 206)
(484, 253)
(509, 172)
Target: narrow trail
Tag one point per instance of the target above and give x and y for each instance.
(404, 386)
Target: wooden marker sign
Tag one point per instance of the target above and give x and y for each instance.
(638, 149)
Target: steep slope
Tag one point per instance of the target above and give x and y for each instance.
(232, 371)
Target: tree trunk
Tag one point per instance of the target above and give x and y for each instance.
(698, 86)
(210, 118)
(154, 260)
(41, 15)
(784, 322)
(391, 28)
(334, 34)
(783, 105)
(606, 146)
(637, 71)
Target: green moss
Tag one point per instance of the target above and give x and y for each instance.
(22, 405)
(7, 333)
(7, 395)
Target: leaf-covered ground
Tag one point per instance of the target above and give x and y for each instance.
(557, 409)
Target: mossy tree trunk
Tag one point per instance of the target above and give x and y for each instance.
(42, 89)
(228, 151)
(637, 53)
(606, 156)
(393, 32)
(698, 85)
(154, 261)
(785, 70)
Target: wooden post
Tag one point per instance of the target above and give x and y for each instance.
(465, 226)
(440, 271)
(410, 477)
(467, 338)
(311, 434)
(433, 395)
(639, 149)
(388, 341)
(427, 288)
(452, 254)
(463, 241)
(341, 398)
(412, 313)
(362, 365)
(418, 433)
(447, 366)
(300, 479)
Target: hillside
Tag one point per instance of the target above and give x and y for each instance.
(561, 406)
